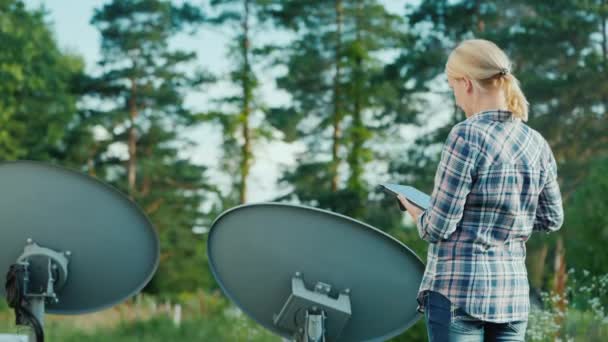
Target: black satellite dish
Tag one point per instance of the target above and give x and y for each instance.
(70, 243)
(313, 275)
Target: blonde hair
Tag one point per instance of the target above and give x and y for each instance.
(484, 63)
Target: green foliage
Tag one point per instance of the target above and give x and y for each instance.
(587, 221)
(38, 101)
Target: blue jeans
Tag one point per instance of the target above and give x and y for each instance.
(446, 322)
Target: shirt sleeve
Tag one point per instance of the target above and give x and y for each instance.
(453, 181)
(549, 212)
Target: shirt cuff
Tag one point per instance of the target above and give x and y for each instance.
(420, 225)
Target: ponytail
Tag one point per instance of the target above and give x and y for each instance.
(516, 100)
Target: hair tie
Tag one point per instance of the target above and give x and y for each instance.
(503, 71)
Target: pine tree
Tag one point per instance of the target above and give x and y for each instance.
(139, 108)
(340, 107)
(244, 17)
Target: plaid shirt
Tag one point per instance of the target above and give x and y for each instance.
(495, 184)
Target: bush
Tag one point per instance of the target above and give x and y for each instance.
(585, 318)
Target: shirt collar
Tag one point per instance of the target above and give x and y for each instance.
(494, 115)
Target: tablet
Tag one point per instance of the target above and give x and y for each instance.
(415, 196)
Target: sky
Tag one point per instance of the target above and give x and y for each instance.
(70, 22)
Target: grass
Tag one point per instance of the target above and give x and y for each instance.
(209, 317)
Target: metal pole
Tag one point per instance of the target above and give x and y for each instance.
(314, 323)
(36, 306)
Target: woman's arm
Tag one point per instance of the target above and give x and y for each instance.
(453, 182)
(549, 212)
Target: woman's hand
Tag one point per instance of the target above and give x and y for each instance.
(413, 210)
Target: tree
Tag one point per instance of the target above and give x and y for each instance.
(244, 17)
(339, 108)
(38, 100)
(139, 107)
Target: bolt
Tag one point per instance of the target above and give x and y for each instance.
(68, 253)
(30, 241)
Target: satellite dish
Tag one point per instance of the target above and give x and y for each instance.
(314, 275)
(70, 243)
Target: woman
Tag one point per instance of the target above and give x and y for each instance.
(495, 184)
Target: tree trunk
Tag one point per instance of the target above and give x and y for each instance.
(91, 161)
(337, 99)
(91, 167)
(537, 260)
(132, 143)
(246, 84)
(559, 283)
(603, 19)
(355, 162)
(357, 120)
(603, 24)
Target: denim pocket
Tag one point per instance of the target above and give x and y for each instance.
(518, 327)
(465, 326)
(462, 322)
